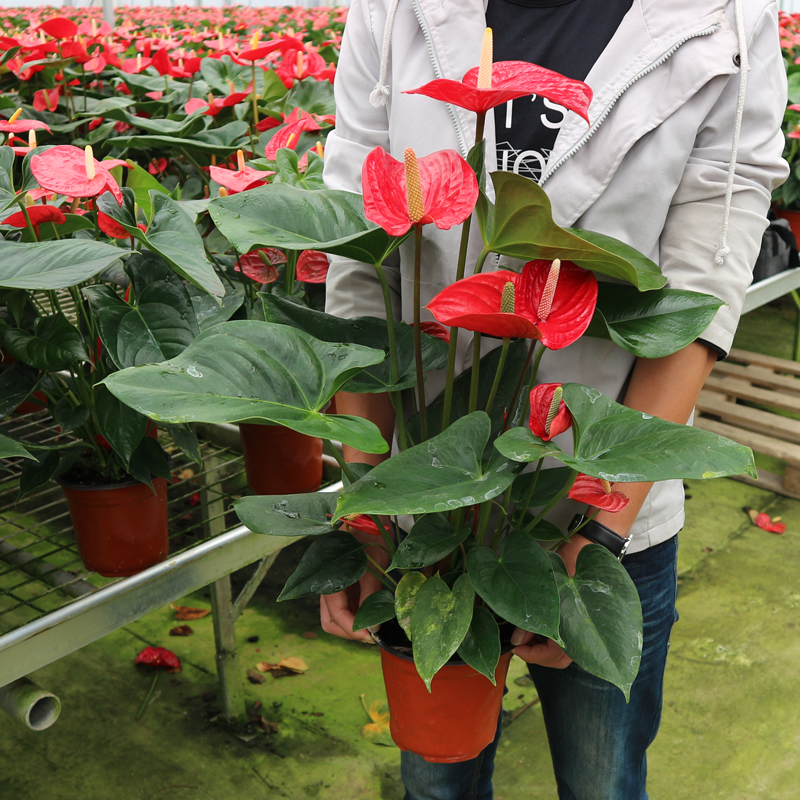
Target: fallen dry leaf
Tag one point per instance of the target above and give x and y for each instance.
(268, 727)
(255, 677)
(186, 612)
(309, 635)
(185, 474)
(377, 731)
(294, 664)
(181, 630)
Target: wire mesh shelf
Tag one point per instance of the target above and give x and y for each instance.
(40, 568)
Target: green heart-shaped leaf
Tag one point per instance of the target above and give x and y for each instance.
(284, 216)
(253, 371)
(377, 608)
(405, 596)
(442, 474)
(651, 324)
(439, 622)
(520, 225)
(481, 646)
(431, 539)
(622, 445)
(292, 515)
(518, 584)
(331, 564)
(601, 616)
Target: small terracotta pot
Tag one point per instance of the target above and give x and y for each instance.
(455, 721)
(279, 460)
(120, 529)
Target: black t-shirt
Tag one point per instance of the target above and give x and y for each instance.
(566, 36)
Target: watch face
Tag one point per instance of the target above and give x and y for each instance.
(625, 547)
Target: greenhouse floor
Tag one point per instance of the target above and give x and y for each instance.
(731, 724)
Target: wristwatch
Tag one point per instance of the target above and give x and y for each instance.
(599, 534)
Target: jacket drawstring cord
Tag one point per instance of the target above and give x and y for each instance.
(724, 250)
(380, 94)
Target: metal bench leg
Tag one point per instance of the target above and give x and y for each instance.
(229, 668)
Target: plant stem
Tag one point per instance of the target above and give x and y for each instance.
(526, 504)
(498, 374)
(483, 521)
(512, 405)
(586, 521)
(423, 416)
(479, 125)
(535, 372)
(394, 366)
(255, 97)
(329, 448)
(289, 274)
(143, 706)
(28, 220)
(546, 510)
(476, 371)
(481, 261)
(380, 574)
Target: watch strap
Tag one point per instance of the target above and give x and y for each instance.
(599, 534)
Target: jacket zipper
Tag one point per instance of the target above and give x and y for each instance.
(437, 71)
(588, 135)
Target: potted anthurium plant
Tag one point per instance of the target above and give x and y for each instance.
(112, 468)
(460, 517)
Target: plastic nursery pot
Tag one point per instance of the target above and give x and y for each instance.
(279, 460)
(120, 529)
(455, 721)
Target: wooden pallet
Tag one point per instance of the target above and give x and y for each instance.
(771, 382)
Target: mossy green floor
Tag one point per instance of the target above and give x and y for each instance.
(731, 726)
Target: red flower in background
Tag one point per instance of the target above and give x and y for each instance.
(549, 413)
(46, 99)
(491, 85)
(552, 301)
(597, 492)
(157, 166)
(436, 330)
(73, 172)
(240, 179)
(262, 270)
(295, 123)
(440, 188)
(38, 215)
(159, 657)
(765, 522)
(312, 266)
(59, 28)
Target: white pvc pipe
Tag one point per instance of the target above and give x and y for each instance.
(29, 704)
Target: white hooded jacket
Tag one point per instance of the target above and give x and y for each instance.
(654, 167)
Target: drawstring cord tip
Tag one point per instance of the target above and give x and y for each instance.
(379, 95)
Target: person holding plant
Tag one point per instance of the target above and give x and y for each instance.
(681, 154)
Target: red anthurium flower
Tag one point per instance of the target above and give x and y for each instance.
(552, 301)
(111, 227)
(259, 270)
(73, 172)
(439, 188)
(156, 166)
(38, 215)
(288, 136)
(46, 99)
(96, 123)
(312, 266)
(59, 28)
(491, 85)
(75, 51)
(435, 329)
(549, 413)
(159, 657)
(16, 125)
(765, 523)
(362, 522)
(597, 492)
(240, 179)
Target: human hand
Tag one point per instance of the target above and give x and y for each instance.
(337, 611)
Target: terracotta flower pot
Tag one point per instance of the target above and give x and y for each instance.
(455, 721)
(120, 529)
(279, 460)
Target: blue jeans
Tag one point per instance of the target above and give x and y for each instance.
(598, 742)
